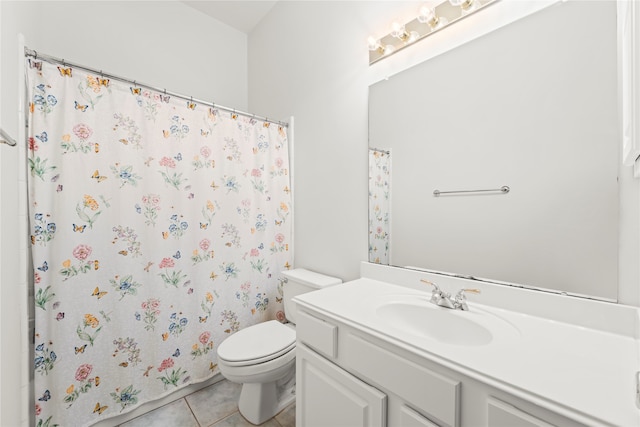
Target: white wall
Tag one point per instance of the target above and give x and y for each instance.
(160, 43)
(310, 59)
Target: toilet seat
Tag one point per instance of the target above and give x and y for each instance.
(257, 344)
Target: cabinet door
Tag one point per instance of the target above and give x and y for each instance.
(330, 396)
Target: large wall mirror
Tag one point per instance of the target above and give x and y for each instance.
(532, 106)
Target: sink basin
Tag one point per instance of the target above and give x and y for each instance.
(419, 317)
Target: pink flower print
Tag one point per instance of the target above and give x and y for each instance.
(83, 372)
(256, 173)
(82, 131)
(279, 162)
(379, 230)
(155, 200)
(280, 238)
(166, 364)
(255, 252)
(168, 162)
(204, 337)
(36, 278)
(33, 146)
(167, 263)
(246, 203)
(280, 316)
(205, 244)
(154, 303)
(38, 409)
(205, 151)
(82, 252)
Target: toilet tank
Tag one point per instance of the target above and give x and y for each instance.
(299, 281)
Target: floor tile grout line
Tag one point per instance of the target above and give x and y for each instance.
(224, 418)
(191, 410)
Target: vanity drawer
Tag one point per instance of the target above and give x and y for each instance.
(318, 334)
(434, 394)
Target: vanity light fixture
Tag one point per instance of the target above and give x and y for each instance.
(428, 20)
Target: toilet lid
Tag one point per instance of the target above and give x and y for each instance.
(258, 343)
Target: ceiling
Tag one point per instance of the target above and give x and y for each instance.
(239, 14)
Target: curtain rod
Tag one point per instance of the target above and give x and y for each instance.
(6, 139)
(53, 60)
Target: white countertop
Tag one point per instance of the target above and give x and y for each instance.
(583, 373)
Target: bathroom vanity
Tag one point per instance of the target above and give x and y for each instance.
(377, 352)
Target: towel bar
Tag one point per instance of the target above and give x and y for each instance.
(504, 190)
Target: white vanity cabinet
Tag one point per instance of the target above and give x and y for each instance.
(344, 379)
(348, 377)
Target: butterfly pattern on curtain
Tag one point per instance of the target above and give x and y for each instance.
(379, 205)
(158, 227)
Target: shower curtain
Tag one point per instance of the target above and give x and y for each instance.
(158, 228)
(379, 205)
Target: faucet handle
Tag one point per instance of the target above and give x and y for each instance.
(461, 299)
(437, 295)
(460, 296)
(436, 288)
(472, 291)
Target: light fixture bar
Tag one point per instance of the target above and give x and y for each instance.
(445, 15)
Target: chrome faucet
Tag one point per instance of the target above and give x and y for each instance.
(443, 299)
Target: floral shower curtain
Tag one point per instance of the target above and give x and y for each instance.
(379, 205)
(159, 227)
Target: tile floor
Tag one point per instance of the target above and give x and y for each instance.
(213, 406)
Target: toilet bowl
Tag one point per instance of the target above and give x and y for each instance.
(262, 357)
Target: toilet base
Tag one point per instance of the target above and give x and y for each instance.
(262, 401)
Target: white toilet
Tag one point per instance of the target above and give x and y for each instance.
(262, 357)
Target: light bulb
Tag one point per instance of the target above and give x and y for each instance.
(373, 43)
(388, 50)
(426, 14)
(397, 30)
(467, 6)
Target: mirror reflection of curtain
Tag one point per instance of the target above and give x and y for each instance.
(379, 205)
